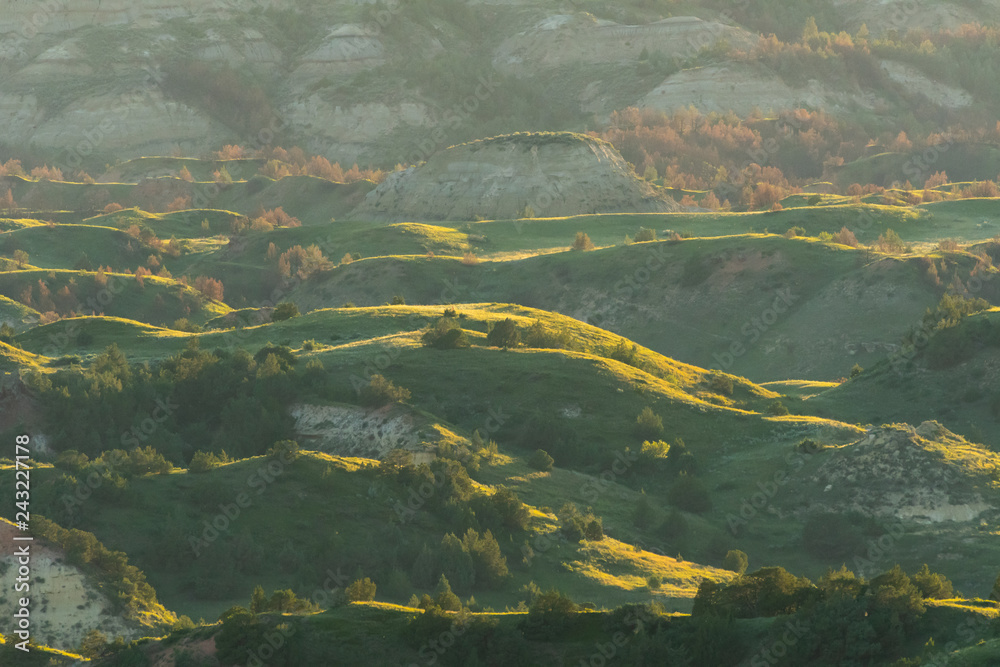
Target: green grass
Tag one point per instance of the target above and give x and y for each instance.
(158, 301)
(63, 246)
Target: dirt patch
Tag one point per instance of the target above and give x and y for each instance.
(352, 431)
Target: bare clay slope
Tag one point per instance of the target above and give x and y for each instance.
(514, 176)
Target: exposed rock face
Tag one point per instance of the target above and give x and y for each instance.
(925, 475)
(66, 603)
(742, 87)
(549, 174)
(566, 39)
(351, 431)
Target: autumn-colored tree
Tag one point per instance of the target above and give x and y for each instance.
(179, 204)
(210, 287)
(846, 237)
(230, 152)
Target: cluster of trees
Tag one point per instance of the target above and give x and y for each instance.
(280, 162)
(447, 333)
(474, 560)
(195, 400)
(849, 619)
(577, 526)
(689, 150)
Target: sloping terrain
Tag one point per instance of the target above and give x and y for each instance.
(514, 176)
(70, 602)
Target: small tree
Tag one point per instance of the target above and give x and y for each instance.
(736, 561)
(258, 601)
(444, 597)
(361, 590)
(504, 334)
(582, 242)
(21, 257)
(933, 585)
(541, 460)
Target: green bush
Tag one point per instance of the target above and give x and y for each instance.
(285, 310)
(205, 461)
(287, 450)
(933, 585)
(649, 425)
(777, 408)
(722, 384)
(445, 334)
(736, 561)
(381, 391)
(504, 334)
(645, 235)
(541, 460)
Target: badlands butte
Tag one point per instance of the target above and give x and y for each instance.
(500, 333)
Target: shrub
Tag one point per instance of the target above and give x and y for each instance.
(722, 384)
(361, 590)
(445, 334)
(594, 530)
(645, 235)
(205, 461)
(285, 310)
(541, 460)
(649, 425)
(625, 352)
(653, 582)
(540, 337)
(856, 370)
(777, 408)
(287, 450)
(380, 391)
(846, 237)
(890, 242)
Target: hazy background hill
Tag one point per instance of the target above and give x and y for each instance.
(385, 83)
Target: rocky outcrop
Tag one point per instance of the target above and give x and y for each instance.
(742, 87)
(513, 176)
(351, 431)
(567, 39)
(925, 475)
